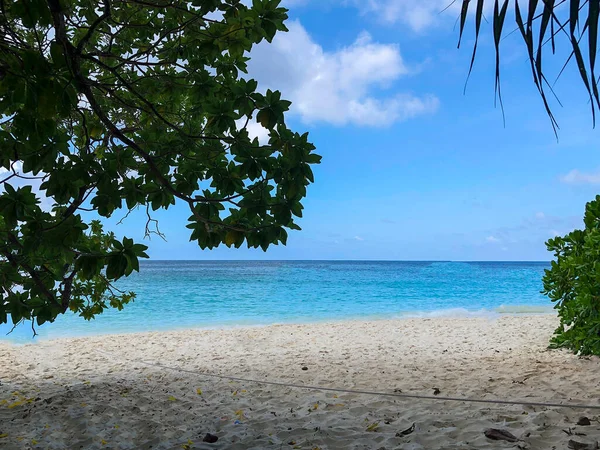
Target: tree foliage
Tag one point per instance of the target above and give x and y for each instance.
(125, 104)
(573, 282)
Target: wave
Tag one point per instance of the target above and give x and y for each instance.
(449, 313)
(525, 309)
(484, 313)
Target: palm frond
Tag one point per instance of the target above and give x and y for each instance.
(540, 22)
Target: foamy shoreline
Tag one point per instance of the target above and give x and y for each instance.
(93, 392)
(451, 313)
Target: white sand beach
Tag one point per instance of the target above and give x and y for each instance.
(93, 392)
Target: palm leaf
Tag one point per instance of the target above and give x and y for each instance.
(478, 16)
(546, 20)
(536, 29)
(464, 12)
(583, 73)
(527, 34)
(594, 6)
(498, 23)
(574, 15)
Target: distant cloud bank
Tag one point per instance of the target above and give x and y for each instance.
(577, 177)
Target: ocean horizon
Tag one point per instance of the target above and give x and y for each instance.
(180, 294)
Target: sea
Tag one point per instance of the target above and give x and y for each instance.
(209, 294)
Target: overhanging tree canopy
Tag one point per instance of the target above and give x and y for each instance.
(126, 104)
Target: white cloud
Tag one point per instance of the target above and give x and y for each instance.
(27, 179)
(358, 238)
(540, 215)
(577, 177)
(255, 130)
(417, 14)
(420, 15)
(337, 87)
(492, 239)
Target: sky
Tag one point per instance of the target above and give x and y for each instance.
(414, 168)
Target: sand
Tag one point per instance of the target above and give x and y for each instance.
(94, 393)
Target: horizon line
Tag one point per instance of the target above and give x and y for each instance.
(349, 260)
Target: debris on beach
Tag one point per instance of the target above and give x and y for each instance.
(304, 368)
(584, 421)
(500, 435)
(374, 427)
(582, 445)
(436, 391)
(570, 432)
(240, 415)
(210, 438)
(406, 432)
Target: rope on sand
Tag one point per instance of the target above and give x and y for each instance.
(356, 391)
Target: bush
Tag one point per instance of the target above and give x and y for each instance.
(573, 282)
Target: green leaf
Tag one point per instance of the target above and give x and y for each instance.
(267, 118)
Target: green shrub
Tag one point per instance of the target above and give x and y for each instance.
(573, 282)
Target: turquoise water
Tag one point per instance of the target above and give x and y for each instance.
(184, 294)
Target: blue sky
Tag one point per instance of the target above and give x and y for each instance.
(412, 168)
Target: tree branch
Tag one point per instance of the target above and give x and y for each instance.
(105, 15)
